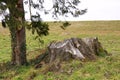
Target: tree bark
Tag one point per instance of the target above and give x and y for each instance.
(19, 47)
(18, 39)
(83, 49)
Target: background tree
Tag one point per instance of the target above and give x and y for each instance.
(16, 22)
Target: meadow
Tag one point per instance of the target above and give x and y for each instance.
(104, 68)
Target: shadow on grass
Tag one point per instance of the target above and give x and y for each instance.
(8, 71)
(5, 68)
(41, 54)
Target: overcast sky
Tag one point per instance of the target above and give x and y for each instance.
(97, 10)
(102, 10)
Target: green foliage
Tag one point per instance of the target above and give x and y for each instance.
(39, 28)
(64, 25)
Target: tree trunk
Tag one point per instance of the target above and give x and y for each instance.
(18, 38)
(19, 47)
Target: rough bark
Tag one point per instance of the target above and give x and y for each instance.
(19, 47)
(85, 49)
(13, 45)
(70, 48)
(18, 39)
(95, 46)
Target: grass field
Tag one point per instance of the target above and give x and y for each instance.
(105, 68)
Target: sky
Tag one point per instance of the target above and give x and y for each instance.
(96, 10)
(102, 10)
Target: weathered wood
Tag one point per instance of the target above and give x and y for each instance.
(83, 49)
(75, 48)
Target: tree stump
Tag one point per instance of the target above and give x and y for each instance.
(83, 49)
(74, 48)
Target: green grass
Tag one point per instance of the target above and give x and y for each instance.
(105, 68)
